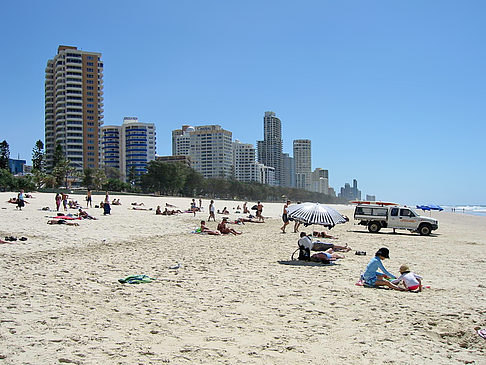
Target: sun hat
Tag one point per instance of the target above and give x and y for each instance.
(383, 252)
(404, 268)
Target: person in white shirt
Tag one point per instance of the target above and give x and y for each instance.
(410, 280)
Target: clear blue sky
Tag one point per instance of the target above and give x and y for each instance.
(392, 93)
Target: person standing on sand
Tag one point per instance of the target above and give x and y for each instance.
(20, 199)
(58, 201)
(65, 201)
(200, 203)
(89, 199)
(211, 211)
(284, 216)
(259, 212)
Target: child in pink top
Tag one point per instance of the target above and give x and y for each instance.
(410, 280)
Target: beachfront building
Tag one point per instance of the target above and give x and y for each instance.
(288, 173)
(181, 141)
(270, 149)
(320, 181)
(129, 147)
(73, 106)
(211, 151)
(264, 174)
(244, 161)
(185, 160)
(350, 192)
(302, 158)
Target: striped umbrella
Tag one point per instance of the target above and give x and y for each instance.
(315, 213)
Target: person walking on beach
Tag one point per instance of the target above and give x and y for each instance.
(200, 203)
(259, 212)
(20, 199)
(58, 201)
(284, 216)
(89, 199)
(211, 211)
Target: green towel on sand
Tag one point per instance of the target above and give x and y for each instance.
(136, 279)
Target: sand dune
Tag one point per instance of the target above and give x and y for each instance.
(231, 300)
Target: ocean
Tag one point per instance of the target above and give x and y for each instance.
(467, 209)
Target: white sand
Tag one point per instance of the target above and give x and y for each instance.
(231, 301)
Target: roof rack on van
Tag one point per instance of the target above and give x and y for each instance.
(371, 202)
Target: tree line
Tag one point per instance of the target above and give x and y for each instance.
(162, 178)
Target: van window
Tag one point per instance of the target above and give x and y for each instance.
(405, 213)
(394, 212)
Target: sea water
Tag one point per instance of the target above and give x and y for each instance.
(467, 209)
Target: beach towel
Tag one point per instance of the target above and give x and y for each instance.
(136, 279)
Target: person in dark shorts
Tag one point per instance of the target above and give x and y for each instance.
(88, 199)
(285, 217)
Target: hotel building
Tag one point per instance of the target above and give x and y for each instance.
(74, 106)
(270, 149)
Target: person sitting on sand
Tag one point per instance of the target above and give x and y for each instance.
(62, 221)
(12, 201)
(245, 209)
(83, 214)
(224, 229)
(158, 211)
(323, 235)
(410, 280)
(205, 229)
(116, 202)
(320, 246)
(372, 278)
(224, 211)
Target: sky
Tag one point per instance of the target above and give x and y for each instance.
(391, 93)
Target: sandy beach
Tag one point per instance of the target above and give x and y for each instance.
(233, 299)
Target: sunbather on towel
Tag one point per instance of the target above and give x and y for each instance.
(62, 221)
(306, 241)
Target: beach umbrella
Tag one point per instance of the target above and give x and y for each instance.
(315, 213)
(430, 207)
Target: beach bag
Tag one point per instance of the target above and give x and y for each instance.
(304, 253)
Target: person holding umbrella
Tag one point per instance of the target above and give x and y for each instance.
(372, 278)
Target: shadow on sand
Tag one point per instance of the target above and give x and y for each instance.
(398, 233)
(305, 263)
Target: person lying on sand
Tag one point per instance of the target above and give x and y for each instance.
(62, 221)
(323, 235)
(224, 211)
(83, 214)
(138, 204)
(116, 202)
(224, 229)
(138, 208)
(328, 255)
(306, 241)
(170, 212)
(170, 205)
(205, 229)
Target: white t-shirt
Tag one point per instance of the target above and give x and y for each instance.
(211, 208)
(306, 242)
(409, 279)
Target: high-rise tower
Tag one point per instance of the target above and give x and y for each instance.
(270, 149)
(302, 158)
(74, 106)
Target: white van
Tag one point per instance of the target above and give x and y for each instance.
(377, 217)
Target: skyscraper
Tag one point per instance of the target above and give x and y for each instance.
(303, 163)
(270, 149)
(74, 106)
(128, 147)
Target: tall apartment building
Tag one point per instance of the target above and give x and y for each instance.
(320, 181)
(270, 149)
(288, 173)
(74, 106)
(244, 161)
(181, 141)
(350, 193)
(129, 147)
(211, 151)
(302, 158)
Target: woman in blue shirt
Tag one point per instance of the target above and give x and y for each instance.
(373, 278)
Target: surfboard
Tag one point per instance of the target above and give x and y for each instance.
(371, 202)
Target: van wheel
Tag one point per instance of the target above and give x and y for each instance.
(425, 230)
(374, 227)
